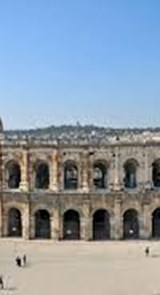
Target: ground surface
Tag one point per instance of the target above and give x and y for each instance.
(114, 268)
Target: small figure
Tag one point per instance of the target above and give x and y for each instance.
(18, 261)
(147, 250)
(24, 260)
(1, 282)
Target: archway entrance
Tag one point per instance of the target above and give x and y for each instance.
(13, 175)
(130, 171)
(99, 176)
(156, 223)
(42, 225)
(156, 173)
(14, 223)
(101, 225)
(71, 225)
(70, 176)
(130, 224)
(42, 176)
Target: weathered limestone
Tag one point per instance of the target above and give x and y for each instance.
(84, 150)
(55, 226)
(32, 226)
(54, 172)
(1, 218)
(24, 172)
(145, 223)
(117, 184)
(26, 222)
(85, 173)
(85, 222)
(118, 220)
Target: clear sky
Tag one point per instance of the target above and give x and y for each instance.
(92, 61)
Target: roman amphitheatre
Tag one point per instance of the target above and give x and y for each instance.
(82, 202)
(80, 183)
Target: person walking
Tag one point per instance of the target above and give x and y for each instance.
(24, 260)
(147, 251)
(18, 261)
(1, 282)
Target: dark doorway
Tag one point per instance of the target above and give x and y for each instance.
(71, 225)
(101, 225)
(14, 223)
(42, 176)
(42, 225)
(13, 175)
(130, 224)
(156, 224)
(130, 180)
(156, 173)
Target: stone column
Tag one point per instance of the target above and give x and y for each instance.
(60, 226)
(54, 172)
(1, 218)
(4, 223)
(85, 222)
(24, 185)
(145, 223)
(117, 185)
(26, 222)
(3, 171)
(85, 173)
(118, 221)
(32, 226)
(1, 168)
(147, 171)
(55, 225)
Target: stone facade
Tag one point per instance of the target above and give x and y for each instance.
(82, 189)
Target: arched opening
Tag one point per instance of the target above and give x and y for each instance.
(156, 224)
(101, 225)
(14, 223)
(99, 176)
(130, 174)
(130, 224)
(70, 176)
(156, 173)
(42, 176)
(42, 225)
(13, 175)
(71, 225)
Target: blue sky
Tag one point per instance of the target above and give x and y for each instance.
(92, 61)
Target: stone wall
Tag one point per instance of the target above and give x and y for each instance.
(86, 200)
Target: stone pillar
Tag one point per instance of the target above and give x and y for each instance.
(61, 226)
(1, 219)
(32, 226)
(5, 223)
(85, 173)
(145, 223)
(1, 168)
(54, 172)
(86, 233)
(3, 171)
(147, 171)
(26, 222)
(24, 185)
(117, 185)
(55, 225)
(118, 221)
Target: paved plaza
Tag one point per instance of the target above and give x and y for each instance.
(81, 268)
